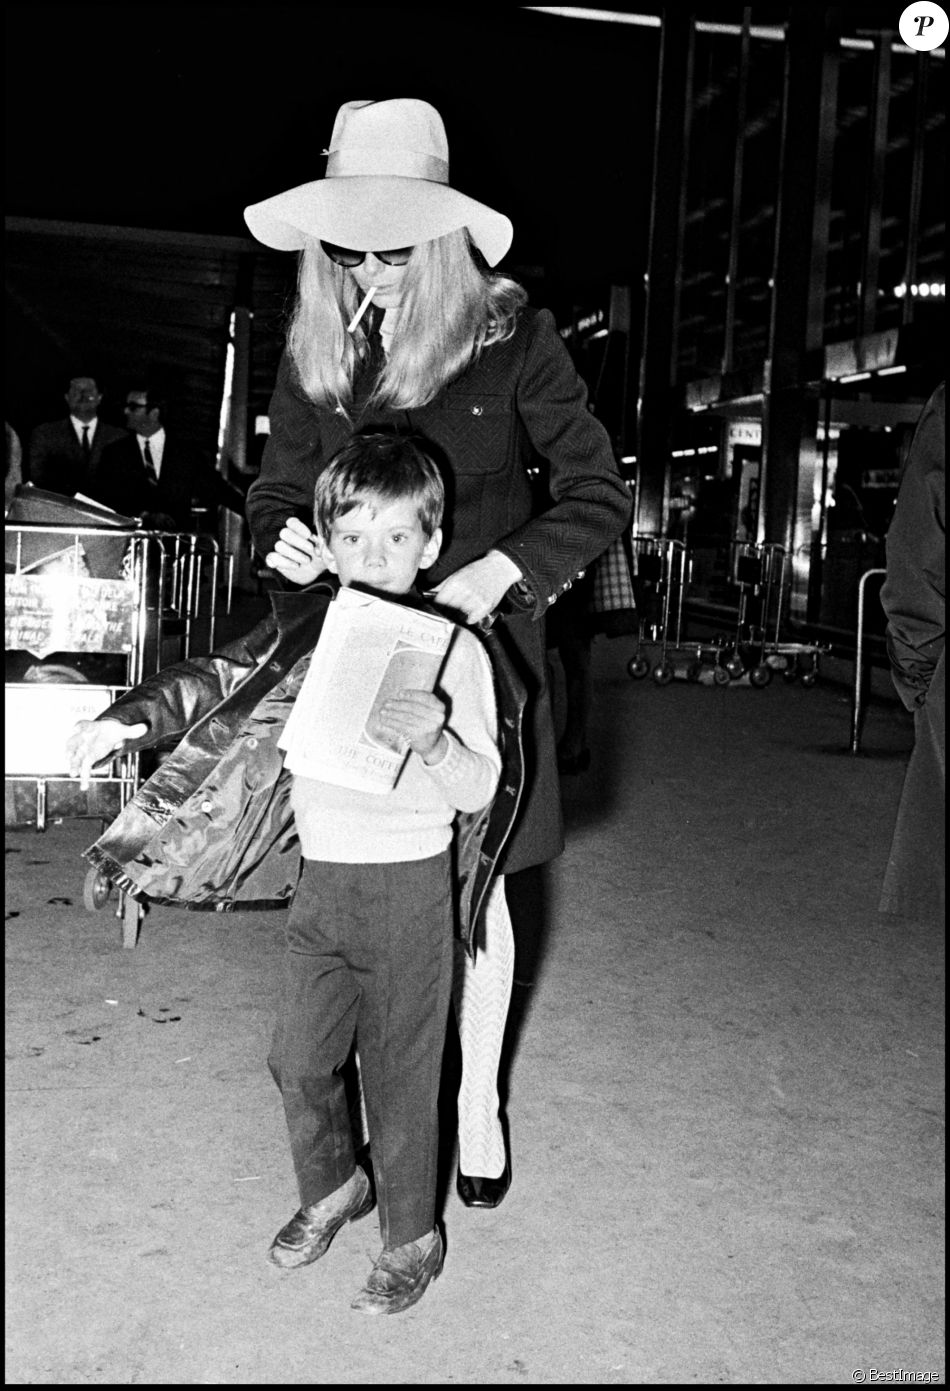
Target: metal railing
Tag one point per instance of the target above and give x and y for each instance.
(857, 701)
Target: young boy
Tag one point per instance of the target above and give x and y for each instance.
(370, 934)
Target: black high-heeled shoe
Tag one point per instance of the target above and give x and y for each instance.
(483, 1192)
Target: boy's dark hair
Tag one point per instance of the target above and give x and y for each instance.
(380, 466)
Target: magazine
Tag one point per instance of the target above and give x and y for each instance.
(369, 650)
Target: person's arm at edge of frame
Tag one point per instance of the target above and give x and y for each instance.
(913, 595)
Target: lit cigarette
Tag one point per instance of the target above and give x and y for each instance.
(362, 309)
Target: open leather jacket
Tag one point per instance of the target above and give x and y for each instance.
(212, 827)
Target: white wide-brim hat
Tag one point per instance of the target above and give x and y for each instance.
(386, 186)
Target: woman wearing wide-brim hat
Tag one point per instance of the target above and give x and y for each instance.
(400, 323)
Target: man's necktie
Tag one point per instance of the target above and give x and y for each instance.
(151, 472)
(86, 447)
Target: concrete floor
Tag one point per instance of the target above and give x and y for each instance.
(725, 1099)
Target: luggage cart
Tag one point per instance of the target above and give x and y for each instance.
(39, 719)
(136, 597)
(660, 579)
(763, 575)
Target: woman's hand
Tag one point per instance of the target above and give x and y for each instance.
(413, 719)
(93, 740)
(295, 554)
(479, 587)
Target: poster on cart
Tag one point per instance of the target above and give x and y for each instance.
(66, 613)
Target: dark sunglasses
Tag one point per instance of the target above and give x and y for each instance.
(343, 256)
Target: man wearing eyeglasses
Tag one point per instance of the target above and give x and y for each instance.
(155, 475)
(63, 453)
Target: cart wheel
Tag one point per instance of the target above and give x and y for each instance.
(809, 678)
(735, 668)
(694, 671)
(95, 890)
(637, 668)
(663, 673)
(789, 672)
(721, 677)
(760, 676)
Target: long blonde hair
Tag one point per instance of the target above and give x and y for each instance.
(450, 310)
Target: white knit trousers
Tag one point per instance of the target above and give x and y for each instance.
(482, 995)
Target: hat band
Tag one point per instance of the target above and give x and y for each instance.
(406, 164)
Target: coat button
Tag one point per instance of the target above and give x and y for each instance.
(476, 410)
(252, 743)
(207, 806)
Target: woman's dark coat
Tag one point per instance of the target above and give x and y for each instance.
(213, 826)
(521, 401)
(914, 599)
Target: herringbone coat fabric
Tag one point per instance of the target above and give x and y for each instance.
(55, 460)
(520, 403)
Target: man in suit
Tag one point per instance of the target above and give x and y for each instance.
(155, 475)
(63, 453)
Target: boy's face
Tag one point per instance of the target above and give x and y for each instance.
(380, 544)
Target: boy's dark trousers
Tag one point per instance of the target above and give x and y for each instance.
(370, 952)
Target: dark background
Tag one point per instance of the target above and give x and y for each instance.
(173, 118)
(177, 117)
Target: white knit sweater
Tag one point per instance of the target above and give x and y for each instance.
(414, 821)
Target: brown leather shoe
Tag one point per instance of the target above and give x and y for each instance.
(401, 1276)
(310, 1231)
